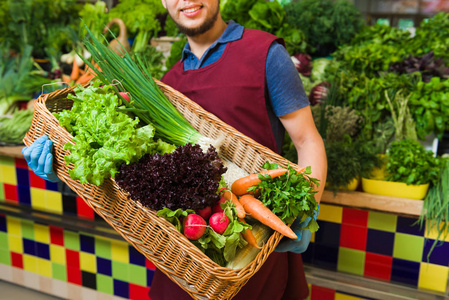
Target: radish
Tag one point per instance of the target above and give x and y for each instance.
(219, 222)
(194, 226)
(217, 208)
(124, 95)
(205, 212)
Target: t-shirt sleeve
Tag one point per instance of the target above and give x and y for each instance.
(284, 85)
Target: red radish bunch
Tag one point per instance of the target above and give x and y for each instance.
(194, 226)
(219, 222)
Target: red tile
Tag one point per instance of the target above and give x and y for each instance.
(56, 235)
(378, 266)
(355, 217)
(84, 211)
(17, 260)
(72, 258)
(150, 265)
(20, 163)
(353, 237)
(137, 292)
(322, 293)
(36, 181)
(10, 192)
(74, 275)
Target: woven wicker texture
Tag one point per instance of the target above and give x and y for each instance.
(151, 235)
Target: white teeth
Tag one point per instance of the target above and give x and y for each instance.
(191, 10)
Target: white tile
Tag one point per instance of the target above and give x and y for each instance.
(45, 284)
(88, 294)
(74, 291)
(59, 288)
(18, 276)
(31, 280)
(5, 272)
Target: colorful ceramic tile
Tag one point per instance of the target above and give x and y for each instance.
(74, 275)
(120, 270)
(30, 263)
(351, 261)
(103, 247)
(71, 240)
(56, 235)
(15, 243)
(433, 277)
(88, 262)
(89, 279)
(439, 254)
(28, 229)
(53, 202)
(4, 241)
(409, 226)
(105, 284)
(382, 221)
(9, 175)
(432, 232)
(150, 274)
(42, 250)
(353, 236)
(2, 192)
(135, 257)
(355, 217)
(5, 257)
(405, 271)
(408, 247)
(104, 266)
(16, 260)
(59, 271)
(330, 213)
(6, 161)
(380, 242)
(51, 186)
(41, 233)
(69, 204)
(38, 198)
(57, 254)
(325, 257)
(29, 247)
(72, 258)
(10, 192)
(44, 267)
(121, 288)
(328, 234)
(22, 177)
(119, 251)
(138, 292)
(24, 195)
(3, 226)
(36, 181)
(20, 163)
(321, 293)
(83, 210)
(137, 275)
(87, 243)
(378, 266)
(343, 296)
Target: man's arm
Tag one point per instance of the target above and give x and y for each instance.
(308, 143)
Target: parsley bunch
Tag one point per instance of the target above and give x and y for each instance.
(289, 196)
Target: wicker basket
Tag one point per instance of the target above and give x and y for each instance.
(151, 235)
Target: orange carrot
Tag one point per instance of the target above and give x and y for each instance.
(256, 209)
(75, 71)
(88, 75)
(249, 236)
(228, 195)
(241, 185)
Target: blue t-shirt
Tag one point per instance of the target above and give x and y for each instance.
(285, 92)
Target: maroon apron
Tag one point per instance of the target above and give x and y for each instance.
(233, 89)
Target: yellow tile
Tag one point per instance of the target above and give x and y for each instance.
(330, 213)
(1, 175)
(433, 277)
(433, 234)
(30, 263)
(44, 267)
(57, 254)
(312, 238)
(9, 175)
(119, 251)
(41, 233)
(15, 243)
(14, 226)
(53, 201)
(88, 262)
(38, 198)
(339, 296)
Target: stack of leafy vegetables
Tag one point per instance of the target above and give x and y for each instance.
(13, 129)
(104, 136)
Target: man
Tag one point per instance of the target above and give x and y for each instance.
(247, 79)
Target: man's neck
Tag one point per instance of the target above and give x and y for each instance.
(200, 43)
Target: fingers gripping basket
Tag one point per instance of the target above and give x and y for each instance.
(151, 235)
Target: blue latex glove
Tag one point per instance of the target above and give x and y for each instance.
(40, 159)
(300, 244)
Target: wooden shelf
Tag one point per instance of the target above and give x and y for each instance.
(395, 205)
(14, 151)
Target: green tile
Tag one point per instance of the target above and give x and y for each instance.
(408, 246)
(382, 221)
(7, 161)
(351, 261)
(105, 284)
(27, 229)
(2, 193)
(4, 241)
(71, 240)
(120, 270)
(59, 271)
(103, 248)
(138, 275)
(5, 257)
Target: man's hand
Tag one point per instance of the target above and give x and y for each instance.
(300, 244)
(40, 159)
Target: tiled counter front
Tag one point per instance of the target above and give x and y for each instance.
(378, 245)
(76, 264)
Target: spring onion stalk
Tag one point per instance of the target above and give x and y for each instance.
(151, 104)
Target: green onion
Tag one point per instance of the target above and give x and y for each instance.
(135, 79)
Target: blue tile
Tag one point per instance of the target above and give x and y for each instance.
(439, 255)
(405, 271)
(87, 244)
(328, 234)
(308, 255)
(23, 177)
(121, 288)
(409, 226)
(325, 257)
(150, 274)
(24, 195)
(380, 242)
(104, 266)
(43, 250)
(3, 226)
(52, 186)
(29, 246)
(135, 257)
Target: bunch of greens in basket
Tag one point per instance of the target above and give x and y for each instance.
(148, 102)
(104, 137)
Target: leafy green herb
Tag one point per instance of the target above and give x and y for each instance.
(13, 129)
(289, 196)
(174, 216)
